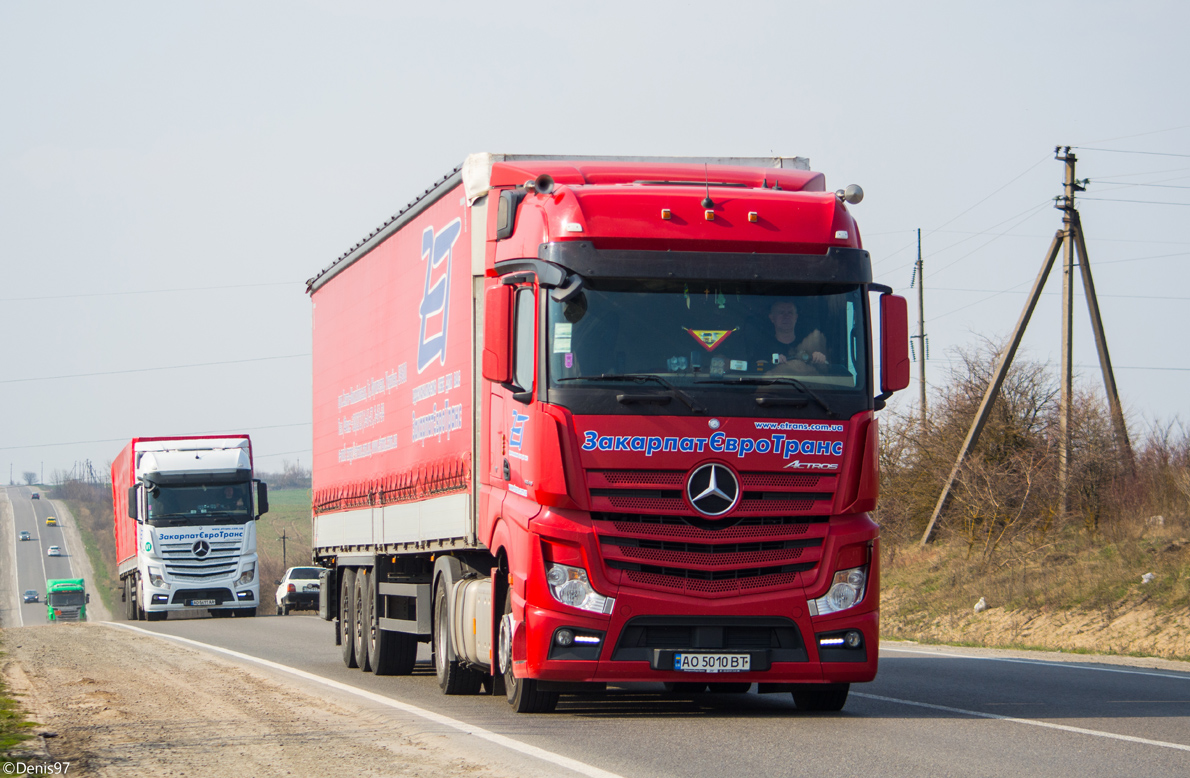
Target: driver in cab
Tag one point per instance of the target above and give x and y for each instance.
(789, 351)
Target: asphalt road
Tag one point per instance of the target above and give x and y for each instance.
(931, 712)
(33, 566)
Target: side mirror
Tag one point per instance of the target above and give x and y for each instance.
(262, 498)
(276, 583)
(894, 346)
(132, 514)
(497, 334)
(88, 599)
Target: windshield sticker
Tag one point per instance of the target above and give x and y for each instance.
(568, 360)
(739, 364)
(717, 443)
(710, 339)
(562, 332)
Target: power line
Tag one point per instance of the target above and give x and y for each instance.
(150, 369)
(1157, 186)
(1143, 202)
(1137, 135)
(147, 291)
(1126, 151)
(1127, 296)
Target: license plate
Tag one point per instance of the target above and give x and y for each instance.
(201, 602)
(712, 663)
(310, 588)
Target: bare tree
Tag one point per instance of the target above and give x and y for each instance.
(30, 477)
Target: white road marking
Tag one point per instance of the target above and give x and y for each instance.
(1029, 722)
(1042, 663)
(467, 729)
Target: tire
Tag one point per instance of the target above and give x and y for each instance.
(730, 688)
(522, 693)
(140, 611)
(453, 677)
(390, 653)
(285, 610)
(280, 612)
(129, 598)
(828, 698)
(346, 613)
(361, 617)
(685, 687)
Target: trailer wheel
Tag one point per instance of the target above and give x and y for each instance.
(522, 693)
(362, 617)
(829, 698)
(346, 611)
(453, 677)
(390, 653)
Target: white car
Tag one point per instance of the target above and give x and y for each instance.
(298, 590)
(53, 551)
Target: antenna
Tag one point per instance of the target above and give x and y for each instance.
(707, 202)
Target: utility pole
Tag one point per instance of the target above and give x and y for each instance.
(1067, 378)
(284, 563)
(920, 278)
(1070, 237)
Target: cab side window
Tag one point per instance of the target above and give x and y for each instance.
(525, 320)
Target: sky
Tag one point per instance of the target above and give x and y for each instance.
(171, 173)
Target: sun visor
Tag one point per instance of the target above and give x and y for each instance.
(193, 466)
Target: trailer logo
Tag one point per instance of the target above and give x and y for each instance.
(436, 250)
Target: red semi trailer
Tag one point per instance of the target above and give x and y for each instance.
(581, 421)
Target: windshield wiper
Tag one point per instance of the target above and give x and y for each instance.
(770, 380)
(641, 378)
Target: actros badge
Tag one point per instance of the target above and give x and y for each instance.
(713, 489)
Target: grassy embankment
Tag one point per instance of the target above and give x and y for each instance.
(289, 512)
(14, 728)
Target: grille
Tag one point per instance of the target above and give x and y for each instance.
(183, 564)
(705, 588)
(661, 491)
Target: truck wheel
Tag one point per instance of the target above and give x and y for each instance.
(453, 677)
(522, 693)
(822, 698)
(140, 609)
(361, 617)
(129, 599)
(730, 688)
(346, 614)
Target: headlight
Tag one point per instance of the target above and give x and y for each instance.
(155, 578)
(247, 576)
(570, 586)
(847, 591)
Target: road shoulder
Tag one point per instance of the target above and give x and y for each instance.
(10, 603)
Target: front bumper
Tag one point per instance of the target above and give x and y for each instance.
(638, 641)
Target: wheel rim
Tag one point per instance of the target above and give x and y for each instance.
(440, 639)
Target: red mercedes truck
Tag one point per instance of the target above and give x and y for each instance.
(582, 421)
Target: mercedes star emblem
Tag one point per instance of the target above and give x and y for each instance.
(201, 548)
(713, 489)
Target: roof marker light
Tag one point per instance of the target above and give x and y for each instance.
(666, 214)
(841, 235)
(710, 215)
(753, 216)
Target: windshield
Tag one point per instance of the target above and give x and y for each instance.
(64, 599)
(711, 337)
(199, 504)
(305, 572)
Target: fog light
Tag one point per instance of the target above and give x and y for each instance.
(244, 595)
(853, 638)
(586, 638)
(830, 641)
(564, 637)
(160, 599)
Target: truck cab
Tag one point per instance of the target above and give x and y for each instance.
(66, 599)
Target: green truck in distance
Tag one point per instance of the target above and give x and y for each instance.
(66, 599)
